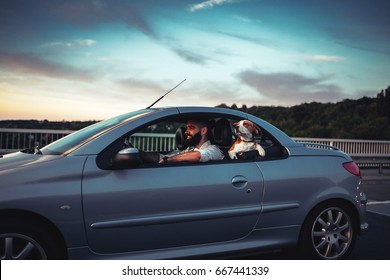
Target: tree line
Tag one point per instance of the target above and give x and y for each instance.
(45, 124)
(365, 118)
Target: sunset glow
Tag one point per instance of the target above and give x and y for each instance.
(92, 59)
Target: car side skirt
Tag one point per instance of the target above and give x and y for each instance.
(258, 241)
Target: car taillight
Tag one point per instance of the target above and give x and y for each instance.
(352, 168)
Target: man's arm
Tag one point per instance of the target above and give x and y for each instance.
(189, 156)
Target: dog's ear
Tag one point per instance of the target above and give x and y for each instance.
(257, 129)
(236, 124)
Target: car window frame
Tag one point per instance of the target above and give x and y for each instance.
(182, 117)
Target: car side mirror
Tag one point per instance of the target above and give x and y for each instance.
(126, 158)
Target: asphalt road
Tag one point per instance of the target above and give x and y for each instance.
(375, 243)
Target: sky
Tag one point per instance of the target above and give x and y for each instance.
(94, 59)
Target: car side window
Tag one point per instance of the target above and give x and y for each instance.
(168, 139)
(159, 137)
(168, 136)
(157, 140)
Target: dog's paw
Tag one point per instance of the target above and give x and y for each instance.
(232, 156)
(260, 150)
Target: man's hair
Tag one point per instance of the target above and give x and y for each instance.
(202, 122)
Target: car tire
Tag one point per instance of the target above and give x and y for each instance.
(329, 232)
(25, 240)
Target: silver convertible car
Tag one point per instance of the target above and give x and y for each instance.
(92, 194)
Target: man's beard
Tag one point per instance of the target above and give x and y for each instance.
(194, 140)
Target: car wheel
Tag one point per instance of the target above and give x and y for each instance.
(329, 232)
(28, 243)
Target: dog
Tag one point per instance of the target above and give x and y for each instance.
(245, 131)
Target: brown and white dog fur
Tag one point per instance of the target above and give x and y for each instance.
(245, 131)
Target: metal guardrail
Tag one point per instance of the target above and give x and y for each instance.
(373, 160)
(365, 152)
(154, 142)
(353, 147)
(15, 139)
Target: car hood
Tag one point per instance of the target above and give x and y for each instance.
(19, 159)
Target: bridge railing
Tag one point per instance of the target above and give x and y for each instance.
(152, 142)
(367, 152)
(352, 147)
(15, 139)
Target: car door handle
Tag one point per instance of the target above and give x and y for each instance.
(239, 182)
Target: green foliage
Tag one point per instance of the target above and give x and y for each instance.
(365, 118)
(45, 124)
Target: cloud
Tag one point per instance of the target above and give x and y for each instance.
(92, 13)
(209, 4)
(33, 17)
(71, 44)
(255, 40)
(140, 86)
(291, 89)
(28, 63)
(365, 26)
(146, 91)
(243, 19)
(191, 56)
(376, 40)
(326, 58)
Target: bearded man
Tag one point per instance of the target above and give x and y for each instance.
(198, 143)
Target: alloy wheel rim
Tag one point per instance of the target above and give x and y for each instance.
(15, 246)
(332, 233)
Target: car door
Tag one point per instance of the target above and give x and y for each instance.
(169, 205)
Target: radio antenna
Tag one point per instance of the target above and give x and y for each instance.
(165, 94)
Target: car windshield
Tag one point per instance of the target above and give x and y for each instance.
(68, 143)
